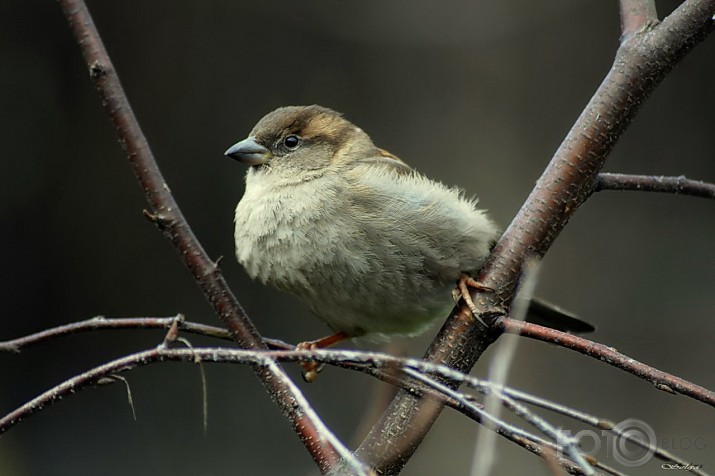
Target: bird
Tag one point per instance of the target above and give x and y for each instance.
(371, 246)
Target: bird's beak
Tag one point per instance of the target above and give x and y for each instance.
(249, 152)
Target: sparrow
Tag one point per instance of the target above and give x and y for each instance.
(370, 245)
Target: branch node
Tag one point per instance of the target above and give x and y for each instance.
(158, 219)
(606, 424)
(637, 16)
(97, 70)
(172, 334)
(665, 388)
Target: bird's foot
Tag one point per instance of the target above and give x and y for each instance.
(311, 368)
(462, 290)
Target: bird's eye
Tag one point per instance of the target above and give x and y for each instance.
(291, 142)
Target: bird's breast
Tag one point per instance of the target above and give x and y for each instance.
(286, 235)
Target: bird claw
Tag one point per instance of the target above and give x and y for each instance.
(463, 284)
(311, 368)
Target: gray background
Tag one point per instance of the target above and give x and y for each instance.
(477, 94)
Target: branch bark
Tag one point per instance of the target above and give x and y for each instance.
(641, 62)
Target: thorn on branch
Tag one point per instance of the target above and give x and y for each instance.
(213, 269)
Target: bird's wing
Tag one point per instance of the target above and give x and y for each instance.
(390, 161)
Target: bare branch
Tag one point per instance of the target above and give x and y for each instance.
(636, 15)
(376, 364)
(101, 323)
(662, 380)
(98, 375)
(108, 373)
(640, 65)
(653, 183)
(598, 423)
(564, 442)
(509, 325)
(165, 213)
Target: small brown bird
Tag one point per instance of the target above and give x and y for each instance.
(369, 244)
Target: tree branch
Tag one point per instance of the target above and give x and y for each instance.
(662, 380)
(168, 217)
(640, 65)
(101, 322)
(636, 15)
(98, 376)
(383, 366)
(653, 183)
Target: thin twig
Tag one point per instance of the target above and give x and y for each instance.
(165, 213)
(492, 422)
(653, 183)
(599, 423)
(118, 378)
(662, 380)
(108, 373)
(202, 373)
(322, 432)
(372, 363)
(98, 375)
(105, 323)
(101, 322)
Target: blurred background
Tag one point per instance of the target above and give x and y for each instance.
(476, 94)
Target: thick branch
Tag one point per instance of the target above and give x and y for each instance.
(640, 64)
(166, 214)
